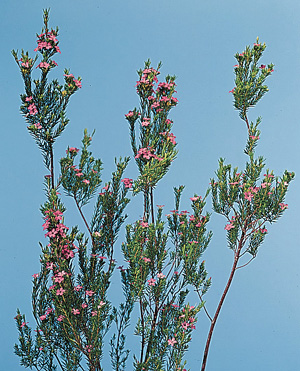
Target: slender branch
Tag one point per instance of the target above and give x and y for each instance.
(152, 207)
(244, 265)
(213, 323)
(52, 166)
(143, 334)
(206, 311)
(85, 222)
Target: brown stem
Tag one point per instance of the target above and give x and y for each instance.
(143, 334)
(52, 167)
(233, 269)
(152, 330)
(152, 207)
(204, 307)
(85, 222)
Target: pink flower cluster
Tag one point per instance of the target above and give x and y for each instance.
(162, 86)
(72, 150)
(147, 154)
(47, 41)
(32, 109)
(230, 225)
(57, 230)
(127, 182)
(170, 136)
(44, 316)
(146, 121)
(76, 82)
(146, 78)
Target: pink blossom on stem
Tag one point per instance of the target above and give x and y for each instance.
(60, 291)
(151, 282)
(172, 342)
(248, 196)
(101, 304)
(283, 206)
(90, 293)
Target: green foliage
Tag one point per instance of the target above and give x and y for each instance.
(70, 298)
(250, 78)
(44, 104)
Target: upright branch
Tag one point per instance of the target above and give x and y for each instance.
(72, 312)
(158, 277)
(247, 202)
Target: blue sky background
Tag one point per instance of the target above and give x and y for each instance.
(105, 42)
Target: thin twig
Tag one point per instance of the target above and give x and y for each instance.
(206, 311)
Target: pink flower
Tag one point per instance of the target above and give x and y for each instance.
(58, 279)
(28, 99)
(101, 304)
(94, 313)
(283, 206)
(129, 114)
(35, 275)
(172, 342)
(77, 288)
(248, 196)
(43, 317)
(269, 175)
(72, 149)
(194, 198)
(127, 182)
(229, 226)
(161, 275)
(151, 282)
(49, 265)
(262, 66)
(60, 291)
(75, 311)
(60, 318)
(146, 121)
(144, 224)
(24, 324)
(231, 91)
(90, 293)
(77, 83)
(43, 65)
(85, 180)
(84, 305)
(264, 230)
(185, 325)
